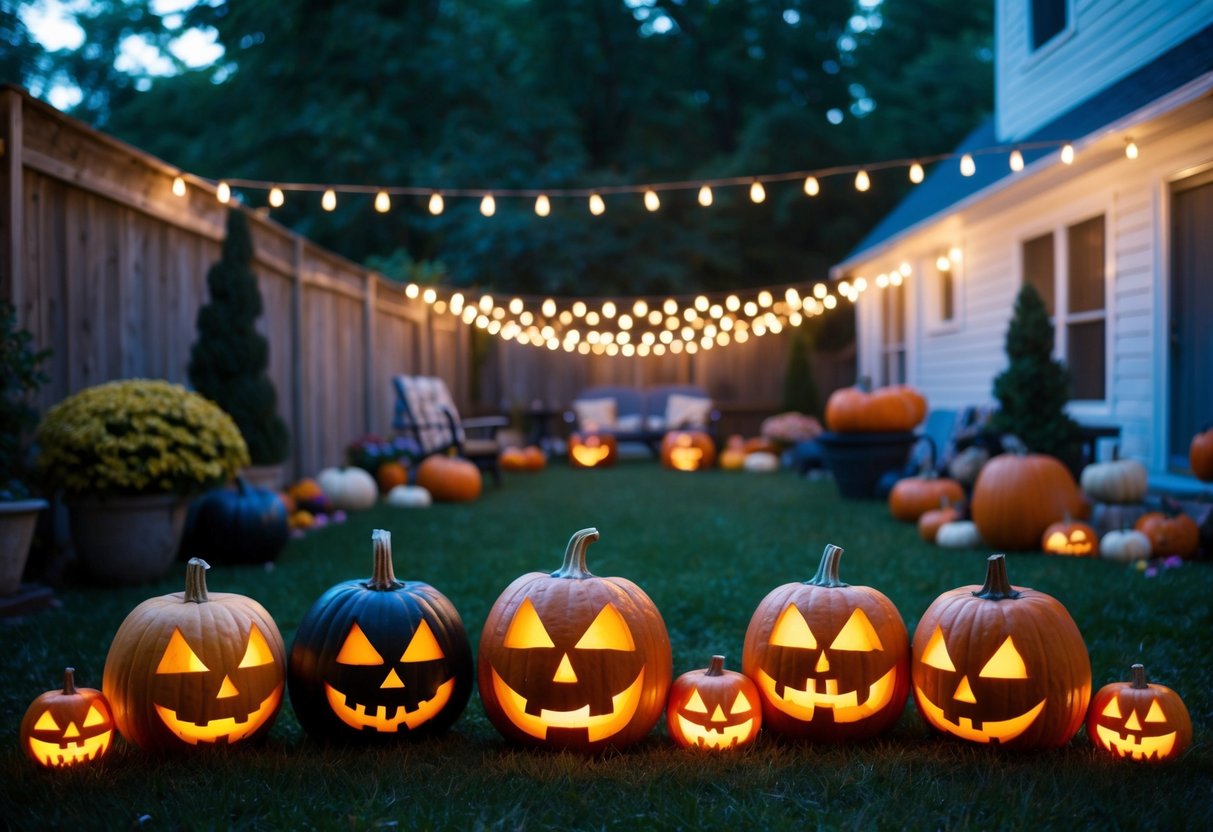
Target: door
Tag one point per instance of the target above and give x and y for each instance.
(1191, 314)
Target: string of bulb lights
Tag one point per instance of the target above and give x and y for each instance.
(642, 326)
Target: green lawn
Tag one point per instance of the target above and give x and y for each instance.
(706, 548)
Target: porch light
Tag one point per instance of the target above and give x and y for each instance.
(437, 205)
(328, 201)
(1130, 149)
(757, 192)
(488, 205)
(223, 193)
(276, 198)
(597, 206)
(1016, 161)
(383, 202)
(811, 186)
(916, 174)
(651, 201)
(543, 205)
(862, 181)
(705, 196)
(178, 186)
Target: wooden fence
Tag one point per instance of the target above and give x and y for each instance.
(107, 268)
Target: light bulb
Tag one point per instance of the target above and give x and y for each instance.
(597, 206)
(178, 186)
(516, 306)
(608, 309)
(811, 186)
(916, 173)
(757, 192)
(488, 205)
(862, 181)
(548, 308)
(1131, 149)
(651, 201)
(1067, 154)
(276, 197)
(383, 202)
(640, 308)
(329, 200)
(705, 196)
(967, 166)
(437, 203)
(543, 205)
(942, 263)
(223, 193)
(1016, 161)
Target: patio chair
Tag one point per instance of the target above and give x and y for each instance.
(426, 412)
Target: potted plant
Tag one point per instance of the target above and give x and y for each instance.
(229, 358)
(127, 455)
(20, 377)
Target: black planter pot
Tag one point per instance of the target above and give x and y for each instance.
(859, 460)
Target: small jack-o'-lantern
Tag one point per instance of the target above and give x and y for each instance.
(571, 660)
(195, 668)
(67, 727)
(1002, 665)
(1171, 532)
(1139, 721)
(688, 450)
(1072, 538)
(713, 708)
(592, 450)
(380, 658)
(831, 660)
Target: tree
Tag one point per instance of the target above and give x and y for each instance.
(1032, 392)
(228, 361)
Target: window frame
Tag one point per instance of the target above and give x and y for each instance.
(1039, 52)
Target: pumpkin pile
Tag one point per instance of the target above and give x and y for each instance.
(1117, 490)
(529, 458)
(1018, 495)
(893, 409)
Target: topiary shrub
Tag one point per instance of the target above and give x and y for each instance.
(228, 361)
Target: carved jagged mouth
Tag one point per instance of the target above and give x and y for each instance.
(1003, 730)
(227, 727)
(357, 716)
(623, 708)
(72, 752)
(1142, 749)
(802, 703)
(706, 736)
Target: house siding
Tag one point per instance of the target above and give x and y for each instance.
(1107, 40)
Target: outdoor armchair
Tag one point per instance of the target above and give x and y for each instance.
(426, 412)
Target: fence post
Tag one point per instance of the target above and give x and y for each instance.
(297, 375)
(11, 149)
(370, 296)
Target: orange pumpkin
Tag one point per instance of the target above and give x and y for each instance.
(1070, 537)
(1136, 720)
(713, 708)
(1018, 496)
(912, 497)
(688, 450)
(732, 457)
(1171, 532)
(67, 727)
(513, 458)
(930, 522)
(534, 458)
(450, 478)
(390, 474)
(592, 450)
(892, 409)
(1200, 455)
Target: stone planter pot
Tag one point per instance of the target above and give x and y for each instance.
(127, 540)
(18, 519)
(858, 460)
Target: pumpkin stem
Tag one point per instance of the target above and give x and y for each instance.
(1139, 677)
(382, 575)
(195, 580)
(716, 668)
(827, 570)
(574, 555)
(69, 680)
(997, 586)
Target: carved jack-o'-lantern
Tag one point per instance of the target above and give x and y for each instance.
(831, 660)
(1070, 537)
(1001, 664)
(688, 450)
(1139, 721)
(380, 658)
(67, 727)
(195, 668)
(592, 450)
(713, 708)
(570, 660)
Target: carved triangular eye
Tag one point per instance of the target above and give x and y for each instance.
(741, 704)
(857, 634)
(1113, 708)
(93, 717)
(258, 651)
(526, 630)
(179, 657)
(423, 647)
(608, 632)
(936, 654)
(357, 649)
(1155, 714)
(1006, 663)
(695, 704)
(46, 722)
(791, 630)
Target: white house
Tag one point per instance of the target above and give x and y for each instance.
(1121, 248)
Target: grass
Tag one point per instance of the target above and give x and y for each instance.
(707, 548)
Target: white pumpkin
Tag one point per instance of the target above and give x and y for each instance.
(409, 496)
(1125, 546)
(959, 534)
(1118, 481)
(348, 489)
(761, 461)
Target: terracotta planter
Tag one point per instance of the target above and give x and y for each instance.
(17, 521)
(127, 540)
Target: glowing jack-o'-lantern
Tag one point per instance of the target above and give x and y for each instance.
(1139, 721)
(1070, 537)
(195, 668)
(713, 708)
(593, 450)
(831, 660)
(67, 727)
(998, 664)
(571, 660)
(380, 658)
(689, 450)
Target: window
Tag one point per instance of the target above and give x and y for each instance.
(1048, 19)
(893, 333)
(943, 300)
(1080, 321)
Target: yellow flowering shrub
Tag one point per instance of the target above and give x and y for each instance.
(138, 436)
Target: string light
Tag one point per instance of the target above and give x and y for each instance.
(967, 166)
(437, 203)
(178, 186)
(329, 201)
(276, 197)
(223, 192)
(811, 186)
(651, 201)
(1016, 161)
(488, 205)
(757, 192)
(543, 205)
(597, 206)
(1130, 149)
(705, 196)
(916, 173)
(862, 181)
(383, 202)
(1067, 154)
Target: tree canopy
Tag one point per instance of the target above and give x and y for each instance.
(548, 94)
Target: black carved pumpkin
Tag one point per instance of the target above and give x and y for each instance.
(240, 524)
(380, 659)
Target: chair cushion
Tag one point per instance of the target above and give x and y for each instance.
(595, 414)
(686, 411)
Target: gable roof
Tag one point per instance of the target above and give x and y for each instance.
(945, 187)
